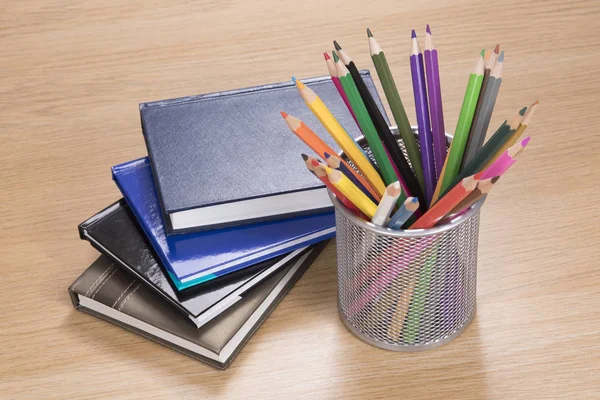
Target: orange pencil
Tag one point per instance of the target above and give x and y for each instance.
(314, 166)
(444, 205)
(320, 147)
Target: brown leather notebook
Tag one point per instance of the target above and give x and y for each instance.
(111, 292)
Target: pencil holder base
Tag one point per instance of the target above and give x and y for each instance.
(407, 348)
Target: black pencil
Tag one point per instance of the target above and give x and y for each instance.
(383, 130)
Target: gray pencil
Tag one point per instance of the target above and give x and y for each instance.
(482, 120)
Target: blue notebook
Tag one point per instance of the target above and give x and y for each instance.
(229, 158)
(199, 257)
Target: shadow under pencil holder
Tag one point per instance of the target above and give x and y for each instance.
(406, 290)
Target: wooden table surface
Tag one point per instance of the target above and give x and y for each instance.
(72, 75)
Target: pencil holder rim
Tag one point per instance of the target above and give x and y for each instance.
(339, 207)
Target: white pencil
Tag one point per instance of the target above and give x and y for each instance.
(404, 213)
(386, 205)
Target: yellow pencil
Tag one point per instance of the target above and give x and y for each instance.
(341, 137)
(352, 193)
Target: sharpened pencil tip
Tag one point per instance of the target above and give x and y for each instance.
(369, 34)
(294, 79)
(326, 56)
(284, 114)
(337, 45)
(414, 200)
(482, 53)
(522, 111)
(497, 49)
(413, 34)
(525, 141)
(501, 57)
(428, 29)
(335, 56)
(327, 155)
(304, 157)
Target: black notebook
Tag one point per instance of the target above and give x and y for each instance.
(115, 232)
(229, 158)
(110, 292)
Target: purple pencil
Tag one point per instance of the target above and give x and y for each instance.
(425, 140)
(436, 111)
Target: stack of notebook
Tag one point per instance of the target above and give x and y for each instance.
(215, 225)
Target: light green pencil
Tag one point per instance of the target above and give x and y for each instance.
(398, 111)
(366, 124)
(461, 133)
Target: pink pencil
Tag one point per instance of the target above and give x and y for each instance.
(338, 85)
(384, 281)
(506, 160)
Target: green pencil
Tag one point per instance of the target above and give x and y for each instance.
(393, 98)
(461, 133)
(366, 124)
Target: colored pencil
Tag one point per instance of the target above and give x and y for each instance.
(461, 133)
(436, 110)
(396, 106)
(417, 68)
(489, 152)
(312, 164)
(410, 329)
(339, 134)
(313, 141)
(354, 194)
(338, 85)
(485, 108)
(446, 203)
(366, 124)
(405, 211)
(517, 134)
(506, 160)
(333, 161)
(483, 188)
(387, 203)
(383, 130)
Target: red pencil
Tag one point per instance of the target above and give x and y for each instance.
(314, 166)
(444, 205)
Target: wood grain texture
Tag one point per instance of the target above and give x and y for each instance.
(72, 74)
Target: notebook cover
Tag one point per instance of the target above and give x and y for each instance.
(115, 287)
(230, 146)
(115, 232)
(199, 257)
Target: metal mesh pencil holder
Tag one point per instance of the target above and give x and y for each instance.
(406, 290)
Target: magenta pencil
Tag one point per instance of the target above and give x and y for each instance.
(436, 111)
(417, 69)
(506, 160)
(383, 282)
(338, 85)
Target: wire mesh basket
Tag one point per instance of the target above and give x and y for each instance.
(406, 290)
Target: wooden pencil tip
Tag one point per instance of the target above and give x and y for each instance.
(369, 34)
(497, 49)
(326, 56)
(337, 45)
(428, 29)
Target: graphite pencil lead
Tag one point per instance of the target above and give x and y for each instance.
(304, 156)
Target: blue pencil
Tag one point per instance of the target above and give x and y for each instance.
(405, 211)
(335, 163)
